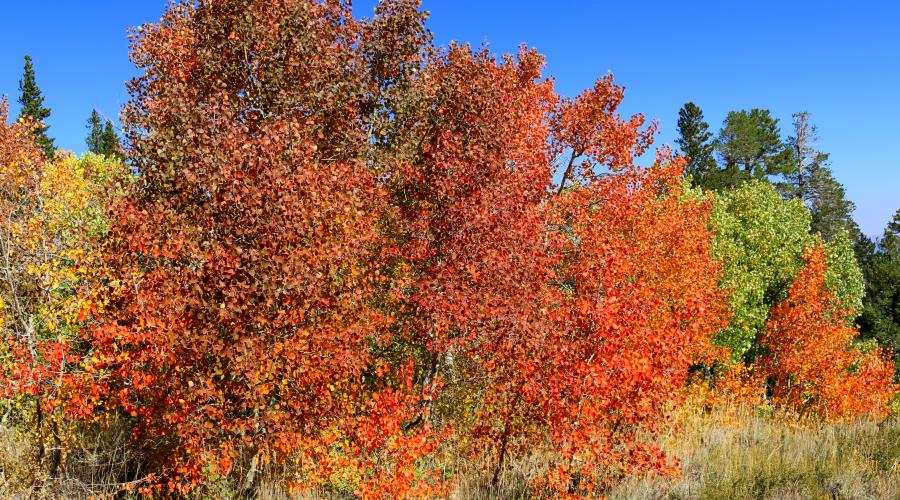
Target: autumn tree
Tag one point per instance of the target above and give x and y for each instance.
(52, 220)
(33, 110)
(470, 238)
(586, 377)
(760, 240)
(485, 305)
(244, 307)
(627, 323)
(809, 357)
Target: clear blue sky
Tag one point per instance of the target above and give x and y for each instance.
(838, 60)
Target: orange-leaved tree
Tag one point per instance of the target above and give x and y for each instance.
(513, 294)
(809, 357)
(636, 307)
(629, 305)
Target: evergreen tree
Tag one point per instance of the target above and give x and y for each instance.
(694, 139)
(880, 318)
(94, 139)
(109, 140)
(807, 160)
(102, 139)
(33, 108)
(750, 147)
(811, 180)
(832, 212)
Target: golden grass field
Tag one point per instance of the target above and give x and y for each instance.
(744, 453)
(759, 456)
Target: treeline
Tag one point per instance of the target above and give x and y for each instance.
(748, 147)
(330, 256)
(101, 140)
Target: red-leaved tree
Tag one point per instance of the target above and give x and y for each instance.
(243, 303)
(559, 321)
(344, 246)
(631, 305)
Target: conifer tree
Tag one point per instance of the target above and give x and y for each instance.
(750, 147)
(807, 160)
(811, 180)
(95, 134)
(102, 139)
(33, 108)
(109, 140)
(880, 261)
(694, 139)
(832, 212)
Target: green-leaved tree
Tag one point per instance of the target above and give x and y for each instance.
(760, 240)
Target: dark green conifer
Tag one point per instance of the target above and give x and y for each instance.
(33, 108)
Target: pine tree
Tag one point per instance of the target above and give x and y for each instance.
(811, 180)
(880, 262)
(807, 160)
(33, 109)
(94, 139)
(832, 212)
(102, 139)
(694, 139)
(109, 141)
(750, 147)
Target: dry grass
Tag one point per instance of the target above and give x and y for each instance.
(743, 454)
(97, 464)
(761, 456)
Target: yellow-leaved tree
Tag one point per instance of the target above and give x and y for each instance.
(52, 223)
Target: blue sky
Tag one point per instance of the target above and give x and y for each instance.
(838, 60)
